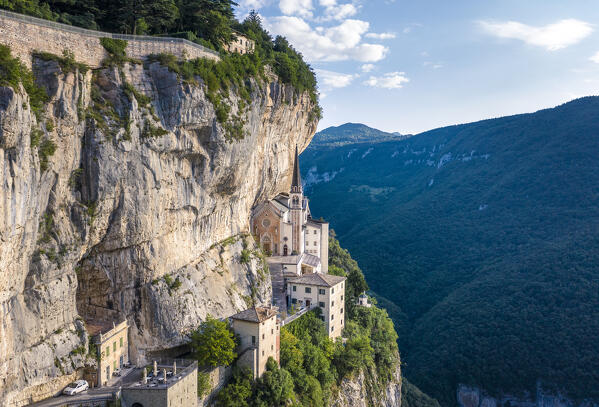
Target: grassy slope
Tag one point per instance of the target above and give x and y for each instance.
(491, 261)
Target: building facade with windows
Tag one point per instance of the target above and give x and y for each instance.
(289, 235)
(325, 291)
(259, 334)
(241, 44)
(112, 347)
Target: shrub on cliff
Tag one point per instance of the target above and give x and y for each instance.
(13, 72)
(213, 343)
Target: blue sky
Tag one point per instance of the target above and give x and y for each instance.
(410, 66)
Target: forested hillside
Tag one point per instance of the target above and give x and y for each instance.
(483, 238)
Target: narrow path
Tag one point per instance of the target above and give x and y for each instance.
(278, 286)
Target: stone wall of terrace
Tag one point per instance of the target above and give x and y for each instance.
(25, 35)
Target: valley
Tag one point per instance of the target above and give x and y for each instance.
(481, 245)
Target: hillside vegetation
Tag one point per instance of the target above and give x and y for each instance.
(484, 238)
(210, 23)
(312, 365)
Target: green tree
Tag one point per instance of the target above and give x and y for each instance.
(213, 343)
(275, 387)
(238, 392)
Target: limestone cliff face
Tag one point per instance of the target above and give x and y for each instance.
(141, 212)
(366, 390)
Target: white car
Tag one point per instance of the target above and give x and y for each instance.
(76, 387)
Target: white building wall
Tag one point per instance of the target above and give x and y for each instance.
(329, 299)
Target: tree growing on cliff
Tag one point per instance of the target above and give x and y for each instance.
(213, 343)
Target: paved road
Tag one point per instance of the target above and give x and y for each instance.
(278, 286)
(88, 398)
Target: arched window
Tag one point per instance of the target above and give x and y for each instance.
(285, 250)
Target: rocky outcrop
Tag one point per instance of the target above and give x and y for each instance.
(471, 396)
(140, 211)
(366, 389)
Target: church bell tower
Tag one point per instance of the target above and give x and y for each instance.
(296, 199)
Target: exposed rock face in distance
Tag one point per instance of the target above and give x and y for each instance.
(472, 396)
(129, 222)
(365, 390)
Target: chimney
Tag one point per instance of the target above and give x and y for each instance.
(155, 369)
(174, 368)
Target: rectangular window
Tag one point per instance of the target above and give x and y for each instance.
(308, 290)
(321, 304)
(294, 288)
(114, 346)
(262, 353)
(315, 243)
(332, 327)
(107, 351)
(321, 291)
(253, 340)
(332, 303)
(333, 290)
(341, 322)
(262, 336)
(114, 365)
(342, 298)
(272, 331)
(294, 300)
(341, 310)
(332, 317)
(121, 342)
(272, 347)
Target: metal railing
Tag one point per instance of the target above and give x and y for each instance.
(298, 314)
(100, 34)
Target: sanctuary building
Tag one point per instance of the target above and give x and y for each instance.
(287, 232)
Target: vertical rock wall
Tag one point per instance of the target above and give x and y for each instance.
(118, 216)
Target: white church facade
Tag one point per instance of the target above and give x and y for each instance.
(287, 232)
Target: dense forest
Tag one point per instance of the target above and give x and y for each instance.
(482, 245)
(210, 23)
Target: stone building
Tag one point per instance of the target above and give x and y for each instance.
(259, 335)
(180, 389)
(112, 347)
(287, 232)
(241, 45)
(363, 301)
(320, 290)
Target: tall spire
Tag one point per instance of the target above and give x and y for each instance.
(296, 181)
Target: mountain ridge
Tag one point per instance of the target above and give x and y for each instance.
(472, 231)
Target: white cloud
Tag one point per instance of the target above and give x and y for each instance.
(367, 68)
(336, 43)
(252, 4)
(595, 58)
(381, 36)
(331, 80)
(551, 37)
(391, 80)
(302, 8)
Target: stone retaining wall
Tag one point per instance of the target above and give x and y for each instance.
(25, 35)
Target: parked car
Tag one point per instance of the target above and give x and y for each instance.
(75, 388)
